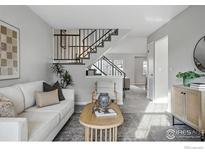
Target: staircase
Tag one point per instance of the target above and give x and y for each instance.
(105, 67)
(75, 46)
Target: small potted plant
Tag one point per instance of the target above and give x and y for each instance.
(65, 78)
(188, 77)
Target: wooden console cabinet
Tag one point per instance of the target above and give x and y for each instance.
(188, 105)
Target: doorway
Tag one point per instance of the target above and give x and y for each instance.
(140, 71)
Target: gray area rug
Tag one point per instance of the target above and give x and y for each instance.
(129, 131)
(143, 121)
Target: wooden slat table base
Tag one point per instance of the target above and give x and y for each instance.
(92, 134)
(100, 129)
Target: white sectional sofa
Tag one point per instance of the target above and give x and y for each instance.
(33, 123)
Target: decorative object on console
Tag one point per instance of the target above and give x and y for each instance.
(47, 88)
(199, 86)
(6, 107)
(188, 77)
(47, 98)
(65, 78)
(9, 47)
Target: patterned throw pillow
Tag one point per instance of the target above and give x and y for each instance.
(6, 107)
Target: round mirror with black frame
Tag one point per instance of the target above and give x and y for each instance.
(199, 54)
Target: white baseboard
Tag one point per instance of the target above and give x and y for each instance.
(81, 103)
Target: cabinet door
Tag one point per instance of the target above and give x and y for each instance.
(178, 102)
(193, 103)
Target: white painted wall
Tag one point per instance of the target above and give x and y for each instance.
(183, 31)
(161, 70)
(130, 45)
(127, 49)
(35, 43)
(150, 71)
(128, 64)
(84, 86)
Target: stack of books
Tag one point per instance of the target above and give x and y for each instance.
(101, 113)
(200, 86)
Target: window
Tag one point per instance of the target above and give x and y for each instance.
(144, 65)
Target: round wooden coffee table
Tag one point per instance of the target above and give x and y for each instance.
(100, 128)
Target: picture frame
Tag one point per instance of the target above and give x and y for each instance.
(9, 51)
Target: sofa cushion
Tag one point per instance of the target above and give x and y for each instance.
(28, 90)
(63, 108)
(40, 124)
(15, 94)
(47, 87)
(47, 98)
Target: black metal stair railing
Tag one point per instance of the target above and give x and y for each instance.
(103, 63)
(66, 47)
(101, 71)
(93, 40)
(73, 47)
(108, 68)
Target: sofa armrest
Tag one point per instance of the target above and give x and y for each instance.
(13, 129)
(68, 94)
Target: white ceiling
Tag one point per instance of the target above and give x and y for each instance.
(141, 19)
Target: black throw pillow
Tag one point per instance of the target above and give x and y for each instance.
(47, 88)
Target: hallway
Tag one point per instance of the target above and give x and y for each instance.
(136, 102)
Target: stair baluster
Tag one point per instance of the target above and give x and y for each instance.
(73, 48)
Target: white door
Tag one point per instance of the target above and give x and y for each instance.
(140, 70)
(161, 70)
(150, 71)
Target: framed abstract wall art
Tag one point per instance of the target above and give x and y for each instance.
(9, 51)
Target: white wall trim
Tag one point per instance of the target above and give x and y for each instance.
(81, 103)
